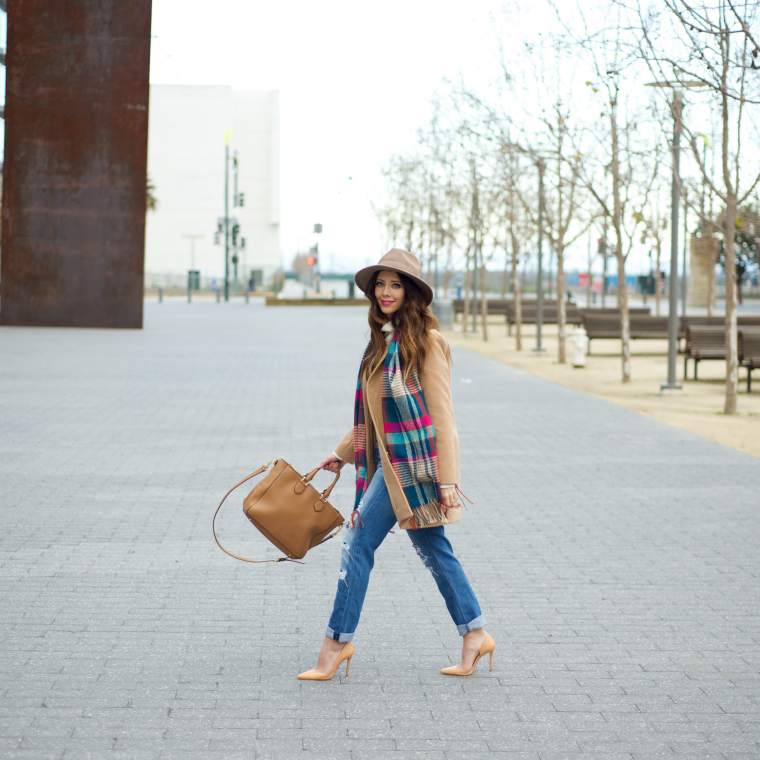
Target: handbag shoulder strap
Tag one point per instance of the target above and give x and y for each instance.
(213, 522)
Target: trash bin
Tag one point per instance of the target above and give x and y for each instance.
(443, 308)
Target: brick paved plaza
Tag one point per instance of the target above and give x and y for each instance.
(615, 558)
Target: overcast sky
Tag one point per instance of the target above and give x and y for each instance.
(355, 82)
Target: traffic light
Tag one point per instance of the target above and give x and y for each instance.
(313, 256)
(241, 199)
(235, 231)
(217, 237)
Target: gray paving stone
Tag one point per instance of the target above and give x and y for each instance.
(614, 557)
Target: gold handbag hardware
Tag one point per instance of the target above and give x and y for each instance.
(284, 508)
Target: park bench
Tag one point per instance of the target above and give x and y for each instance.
(549, 313)
(606, 310)
(607, 325)
(749, 351)
(742, 321)
(703, 342)
(493, 305)
(506, 306)
(709, 342)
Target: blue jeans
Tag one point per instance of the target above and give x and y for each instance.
(358, 558)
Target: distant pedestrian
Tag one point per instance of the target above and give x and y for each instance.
(405, 447)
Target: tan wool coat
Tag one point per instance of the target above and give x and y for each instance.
(435, 380)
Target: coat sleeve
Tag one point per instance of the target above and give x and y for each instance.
(436, 385)
(345, 449)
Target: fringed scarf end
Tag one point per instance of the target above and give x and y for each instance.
(429, 514)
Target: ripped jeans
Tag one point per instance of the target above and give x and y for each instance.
(358, 559)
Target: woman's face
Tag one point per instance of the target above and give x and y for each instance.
(389, 292)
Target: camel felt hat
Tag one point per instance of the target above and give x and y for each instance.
(397, 260)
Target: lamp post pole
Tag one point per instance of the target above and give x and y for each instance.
(539, 349)
(671, 386)
(675, 202)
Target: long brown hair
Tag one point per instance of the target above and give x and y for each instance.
(414, 320)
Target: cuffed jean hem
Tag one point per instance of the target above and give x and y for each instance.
(341, 638)
(473, 625)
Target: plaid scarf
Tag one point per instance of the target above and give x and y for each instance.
(409, 438)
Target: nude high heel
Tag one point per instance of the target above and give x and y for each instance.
(317, 675)
(486, 647)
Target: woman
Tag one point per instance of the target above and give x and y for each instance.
(405, 447)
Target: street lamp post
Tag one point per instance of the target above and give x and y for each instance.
(675, 201)
(672, 386)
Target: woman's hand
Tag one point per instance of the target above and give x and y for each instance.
(450, 497)
(332, 464)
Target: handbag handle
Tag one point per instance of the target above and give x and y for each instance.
(264, 468)
(326, 493)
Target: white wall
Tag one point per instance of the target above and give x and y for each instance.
(186, 165)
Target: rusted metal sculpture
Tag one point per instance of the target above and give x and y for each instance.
(74, 177)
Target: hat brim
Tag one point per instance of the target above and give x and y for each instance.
(363, 276)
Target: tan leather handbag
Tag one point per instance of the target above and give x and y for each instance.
(288, 510)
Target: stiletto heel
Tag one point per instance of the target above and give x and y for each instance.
(348, 665)
(486, 647)
(317, 675)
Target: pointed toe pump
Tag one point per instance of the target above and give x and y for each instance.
(486, 647)
(317, 675)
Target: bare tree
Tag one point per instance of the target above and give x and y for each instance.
(562, 225)
(655, 226)
(624, 154)
(714, 45)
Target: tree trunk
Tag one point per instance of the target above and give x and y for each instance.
(657, 283)
(483, 301)
(447, 272)
(505, 277)
(622, 296)
(474, 281)
(732, 347)
(739, 277)
(561, 302)
(466, 313)
(625, 320)
(517, 291)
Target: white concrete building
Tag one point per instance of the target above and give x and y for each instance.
(186, 150)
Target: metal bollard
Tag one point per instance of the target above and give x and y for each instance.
(247, 294)
(160, 295)
(218, 295)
